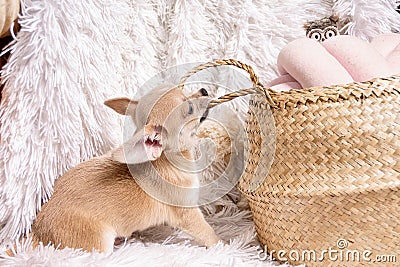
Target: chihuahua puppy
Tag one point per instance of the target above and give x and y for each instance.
(134, 186)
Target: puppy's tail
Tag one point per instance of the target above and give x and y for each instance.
(10, 253)
(31, 239)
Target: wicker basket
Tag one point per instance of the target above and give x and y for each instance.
(334, 181)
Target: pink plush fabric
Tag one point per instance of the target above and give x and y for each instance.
(342, 59)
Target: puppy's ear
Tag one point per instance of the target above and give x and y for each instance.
(122, 105)
(145, 145)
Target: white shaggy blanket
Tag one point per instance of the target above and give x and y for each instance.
(72, 55)
(164, 246)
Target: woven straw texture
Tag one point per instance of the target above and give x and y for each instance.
(335, 174)
(323, 169)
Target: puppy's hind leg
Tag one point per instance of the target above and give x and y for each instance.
(87, 234)
(192, 221)
(100, 237)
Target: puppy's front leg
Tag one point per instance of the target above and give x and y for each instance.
(192, 221)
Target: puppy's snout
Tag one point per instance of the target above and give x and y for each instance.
(203, 92)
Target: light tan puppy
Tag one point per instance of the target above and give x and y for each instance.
(100, 199)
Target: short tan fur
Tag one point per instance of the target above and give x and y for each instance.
(100, 200)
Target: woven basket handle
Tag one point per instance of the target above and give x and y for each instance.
(258, 87)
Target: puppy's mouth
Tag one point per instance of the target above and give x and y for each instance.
(153, 146)
(154, 140)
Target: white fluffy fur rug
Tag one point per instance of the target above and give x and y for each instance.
(72, 55)
(164, 246)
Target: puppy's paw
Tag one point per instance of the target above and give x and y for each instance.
(213, 241)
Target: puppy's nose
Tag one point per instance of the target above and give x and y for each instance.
(203, 92)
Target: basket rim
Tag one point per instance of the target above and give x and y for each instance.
(376, 87)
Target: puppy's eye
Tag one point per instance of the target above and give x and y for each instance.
(190, 111)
